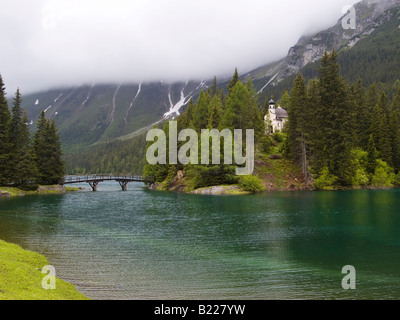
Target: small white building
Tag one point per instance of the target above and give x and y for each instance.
(275, 118)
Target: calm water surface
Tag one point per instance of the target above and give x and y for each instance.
(142, 244)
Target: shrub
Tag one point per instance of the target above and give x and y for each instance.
(251, 184)
(266, 144)
(326, 180)
(279, 137)
(384, 175)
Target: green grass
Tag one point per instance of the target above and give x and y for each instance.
(20, 278)
(277, 174)
(15, 192)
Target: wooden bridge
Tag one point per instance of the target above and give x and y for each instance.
(94, 180)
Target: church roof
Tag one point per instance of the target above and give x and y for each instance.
(281, 113)
(271, 101)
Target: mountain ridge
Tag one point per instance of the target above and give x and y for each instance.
(370, 14)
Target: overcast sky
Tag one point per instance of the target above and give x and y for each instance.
(49, 43)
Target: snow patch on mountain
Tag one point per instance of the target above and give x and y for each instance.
(174, 108)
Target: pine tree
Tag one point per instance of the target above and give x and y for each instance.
(285, 101)
(214, 88)
(365, 119)
(297, 128)
(24, 170)
(313, 103)
(233, 81)
(5, 119)
(239, 108)
(380, 130)
(334, 147)
(185, 120)
(48, 152)
(372, 155)
(215, 118)
(360, 115)
(201, 112)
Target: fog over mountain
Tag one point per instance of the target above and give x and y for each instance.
(50, 43)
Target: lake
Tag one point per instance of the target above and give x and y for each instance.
(142, 244)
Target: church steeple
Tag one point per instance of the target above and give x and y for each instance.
(272, 106)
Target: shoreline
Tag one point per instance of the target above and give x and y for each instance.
(11, 192)
(22, 277)
(235, 190)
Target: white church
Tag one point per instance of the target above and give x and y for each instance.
(275, 118)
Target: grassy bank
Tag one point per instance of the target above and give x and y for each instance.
(21, 277)
(8, 192)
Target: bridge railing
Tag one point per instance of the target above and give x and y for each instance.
(78, 179)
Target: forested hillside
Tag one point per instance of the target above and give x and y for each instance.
(214, 109)
(344, 135)
(339, 135)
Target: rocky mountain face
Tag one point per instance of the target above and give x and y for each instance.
(369, 14)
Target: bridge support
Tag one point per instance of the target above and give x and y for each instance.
(123, 184)
(94, 184)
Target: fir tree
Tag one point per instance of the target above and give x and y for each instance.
(214, 88)
(297, 128)
(201, 112)
(285, 101)
(233, 81)
(360, 115)
(24, 170)
(380, 130)
(334, 146)
(48, 152)
(215, 118)
(372, 155)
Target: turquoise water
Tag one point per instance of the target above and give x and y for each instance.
(142, 244)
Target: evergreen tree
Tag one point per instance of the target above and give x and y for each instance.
(285, 101)
(201, 112)
(313, 103)
(380, 130)
(233, 81)
(334, 146)
(48, 152)
(5, 120)
(372, 155)
(185, 120)
(214, 88)
(23, 167)
(360, 115)
(365, 118)
(215, 118)
(297, 128)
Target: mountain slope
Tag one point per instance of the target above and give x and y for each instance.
(371, 15)
(87, 115)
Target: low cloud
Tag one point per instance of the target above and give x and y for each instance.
(50, 43)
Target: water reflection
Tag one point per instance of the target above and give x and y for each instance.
(143, 244)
